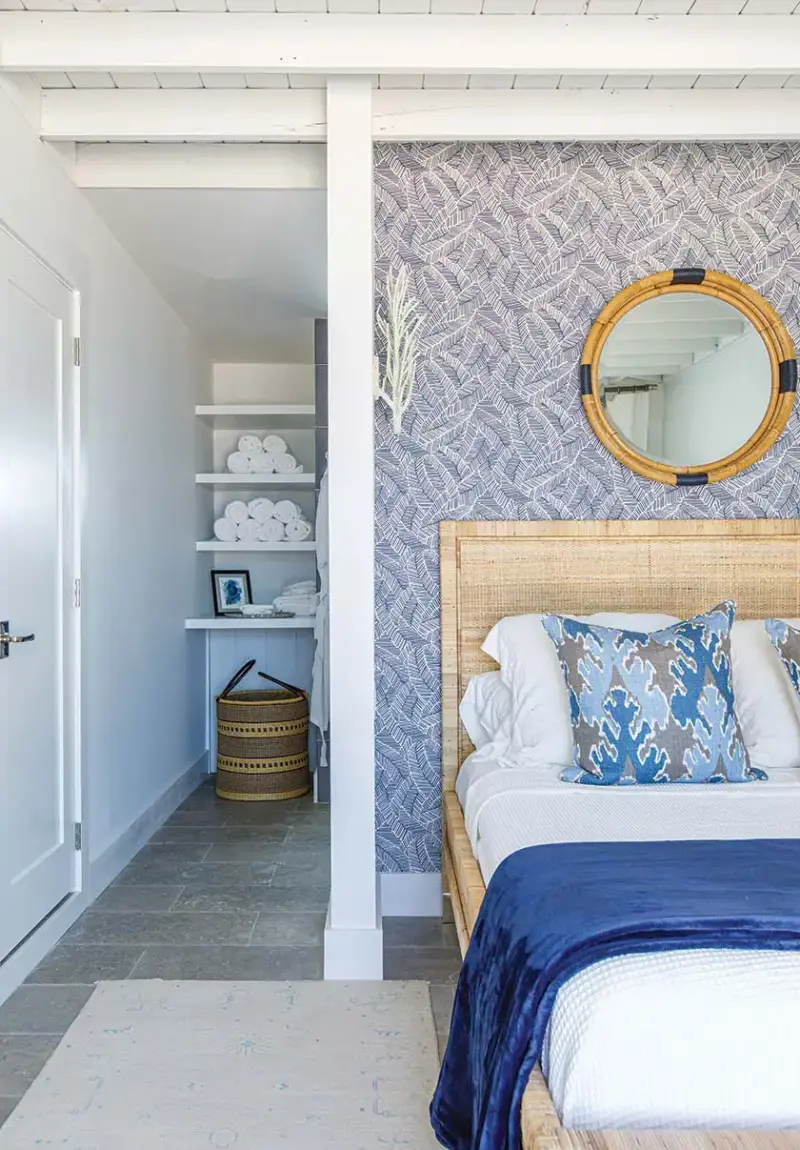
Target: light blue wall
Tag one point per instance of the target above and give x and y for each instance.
(512, 251)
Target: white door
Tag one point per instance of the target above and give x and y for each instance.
(37, 716)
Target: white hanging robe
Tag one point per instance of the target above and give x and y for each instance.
(318, 712)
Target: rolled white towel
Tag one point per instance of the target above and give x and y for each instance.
(285, 464)
(225, 530)
(262, 464)
(238, 463)
(298, 530)
(251, 445)
(237, 511)
(248, 530)
(272, 531)
(261, 509)
(286, 511)
(274, 444)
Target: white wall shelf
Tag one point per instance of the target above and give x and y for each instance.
(231, 416)
(216, 545)
(252, 479)
(211, 623)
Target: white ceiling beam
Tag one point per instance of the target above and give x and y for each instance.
(370, 44)
(289, 167)
(588, 115)
(176, 116)
(261, 115)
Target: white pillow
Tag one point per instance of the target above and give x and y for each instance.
(486, 709)
(529, 667)
(766, 702)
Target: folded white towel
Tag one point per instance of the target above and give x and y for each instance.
(304, 587)
(238, 463)
(297, 606)
(261, 509)
(262, 464)
(251, 445)
(248, 530)
(237, 511)
(271, 532)
(225, 530)
(298, 530)
(286, 510)
(274, 444)
(285, 464)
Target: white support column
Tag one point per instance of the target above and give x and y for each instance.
(353, 933)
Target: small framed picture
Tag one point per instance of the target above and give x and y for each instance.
(231, 591)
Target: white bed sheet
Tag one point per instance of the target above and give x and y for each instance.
(690, 1038)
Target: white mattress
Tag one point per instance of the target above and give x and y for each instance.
(690, 1038)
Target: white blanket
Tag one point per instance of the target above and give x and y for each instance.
(703, 1038)
(509, 807)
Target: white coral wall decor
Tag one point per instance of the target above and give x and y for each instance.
(398, 331)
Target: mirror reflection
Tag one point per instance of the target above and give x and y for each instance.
(685, 378)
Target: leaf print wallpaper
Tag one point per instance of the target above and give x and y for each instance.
(512, 250)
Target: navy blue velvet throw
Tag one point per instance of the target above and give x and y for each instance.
(551, 911)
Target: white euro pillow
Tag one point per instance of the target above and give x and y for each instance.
(766, 702)
(529, 667)
(486, 709)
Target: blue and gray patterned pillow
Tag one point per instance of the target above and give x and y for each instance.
(786, 641)
(652, 708)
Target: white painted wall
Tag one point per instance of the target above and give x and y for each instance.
(714, 407)
(266, 382)
(143, 675)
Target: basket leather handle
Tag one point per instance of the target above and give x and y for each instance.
(286, 686)
(237, 678)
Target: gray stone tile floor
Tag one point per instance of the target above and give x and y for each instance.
(222, 891)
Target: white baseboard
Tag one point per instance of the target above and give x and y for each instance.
(115, 858)
(104, 870)
(353, 955)
(413, 895)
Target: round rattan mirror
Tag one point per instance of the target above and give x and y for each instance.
(688, 376)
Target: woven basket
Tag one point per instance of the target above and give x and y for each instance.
(262, 742)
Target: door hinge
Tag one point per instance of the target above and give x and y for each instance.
(76, 351)
(77, 593)
(78, 836)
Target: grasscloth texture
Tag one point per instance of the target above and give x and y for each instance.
(512, 251)
(652, 708)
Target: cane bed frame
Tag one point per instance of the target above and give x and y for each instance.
(489, 570)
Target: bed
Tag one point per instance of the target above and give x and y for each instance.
(490, 570)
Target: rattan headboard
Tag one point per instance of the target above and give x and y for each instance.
(489, 570)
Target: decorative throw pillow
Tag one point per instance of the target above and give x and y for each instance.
(786, 641)
(654, 708)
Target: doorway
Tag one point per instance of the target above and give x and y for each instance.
(39, 593)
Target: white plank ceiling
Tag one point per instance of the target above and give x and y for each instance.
(434, 7)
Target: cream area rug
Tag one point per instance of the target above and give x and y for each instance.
(237, 1066)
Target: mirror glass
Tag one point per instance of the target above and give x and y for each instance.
(685, 378)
